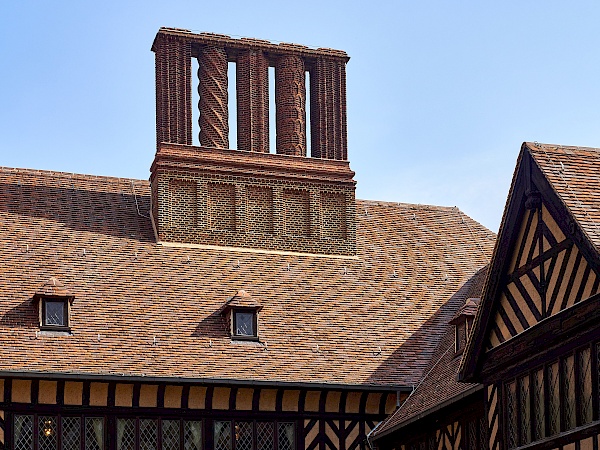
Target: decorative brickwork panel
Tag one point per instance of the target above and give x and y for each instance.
(173, 90)
(212, 73)
(328, 109)
(254, 200)
(259, 209)
(252, 79)
(221, 206)
(296, 211)
(333, 211)
(183, 203)
(290, 99)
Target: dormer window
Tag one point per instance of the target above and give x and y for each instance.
(55, 313)
(54, 306)
(462, 321)
(241, 313)
(244, 323)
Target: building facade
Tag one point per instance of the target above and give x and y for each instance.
(241, 299)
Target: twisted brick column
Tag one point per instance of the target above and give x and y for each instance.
(212, 73)
(290, 98)
(173, 90)
(328, 110)
(252, 79)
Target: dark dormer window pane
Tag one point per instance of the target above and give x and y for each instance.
(461, 336)
(244, 324)
(55, 313)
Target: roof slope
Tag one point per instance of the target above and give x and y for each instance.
(143, 309)
(439, 384)
(574, 173)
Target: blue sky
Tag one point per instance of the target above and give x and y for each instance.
(441, 94)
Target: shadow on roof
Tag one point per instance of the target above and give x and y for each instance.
(109, 213)
(422, 343)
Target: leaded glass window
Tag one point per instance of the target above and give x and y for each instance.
(170, 435)
(553, 400)
(94, 433)
(525, 410)
(243, 436)
(472, 431)
(286, 436)
(222, 435)
(265, 436)
(71, 433)
(47, 433)
(539, 416)
(148, 434)
(125, 434)
(192, 435)
(23, 432)
(483, 432)
(568, 382)
(584, 386)
(511, 414)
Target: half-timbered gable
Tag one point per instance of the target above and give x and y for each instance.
(535, 339)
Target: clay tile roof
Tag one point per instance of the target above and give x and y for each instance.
(129, 289)
(574, 173)
(53, 287)
(439, 385)
(241, 299)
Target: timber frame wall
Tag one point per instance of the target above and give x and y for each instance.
(324, 419)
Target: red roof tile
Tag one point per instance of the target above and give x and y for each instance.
(323, 319)
(439, 384)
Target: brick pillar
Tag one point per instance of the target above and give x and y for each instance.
(328, 109)
(253, 101)
(290, 99)
(212, 74)
(173, 90)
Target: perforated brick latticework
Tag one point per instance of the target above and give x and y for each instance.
(254, 200)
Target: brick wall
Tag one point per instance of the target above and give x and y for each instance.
(250, 198)
(253, 200)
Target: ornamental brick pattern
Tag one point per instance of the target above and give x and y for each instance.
(173, 92)
(253, 57)
(328, 109)
(252, 78)
(212, 72)
(290, 100)
(255, 200)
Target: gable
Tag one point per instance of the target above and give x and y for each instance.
(545, 260)
(546, 274)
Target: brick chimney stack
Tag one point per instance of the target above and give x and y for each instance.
(251, 198)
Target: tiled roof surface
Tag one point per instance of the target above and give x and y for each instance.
(144, 309)
(574, 173)
(469, 309)
(439, 382)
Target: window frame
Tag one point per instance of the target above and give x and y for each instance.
(244, 337)
(44, 326)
